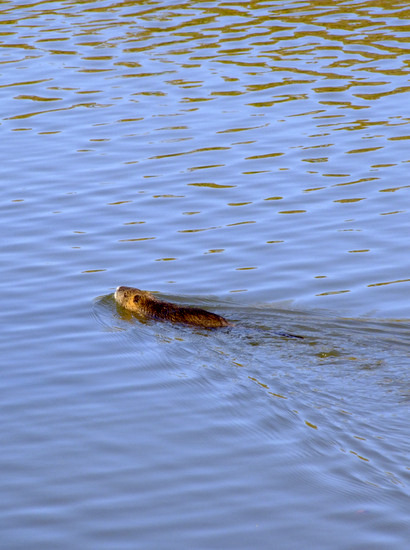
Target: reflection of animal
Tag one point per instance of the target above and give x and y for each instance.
(144, 303)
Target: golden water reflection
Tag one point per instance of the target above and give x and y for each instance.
(291, 102)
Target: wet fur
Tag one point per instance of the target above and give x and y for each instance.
(144, 303)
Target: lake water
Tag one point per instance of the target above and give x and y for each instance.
(251, 158)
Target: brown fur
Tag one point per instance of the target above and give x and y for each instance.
(144, 303)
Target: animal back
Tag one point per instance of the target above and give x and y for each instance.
(187, 315)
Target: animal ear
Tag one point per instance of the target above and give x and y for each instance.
(137, 299)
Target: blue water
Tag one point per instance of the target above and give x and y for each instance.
(248, 158)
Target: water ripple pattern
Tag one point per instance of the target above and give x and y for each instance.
(250, 158)
(267, 143)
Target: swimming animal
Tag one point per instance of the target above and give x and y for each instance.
(146, 304)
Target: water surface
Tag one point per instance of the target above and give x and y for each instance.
(250, 158)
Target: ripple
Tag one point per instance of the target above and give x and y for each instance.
(160, 145)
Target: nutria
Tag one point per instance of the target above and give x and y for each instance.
(144, 303)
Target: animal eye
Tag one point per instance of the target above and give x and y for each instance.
(137, 299)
